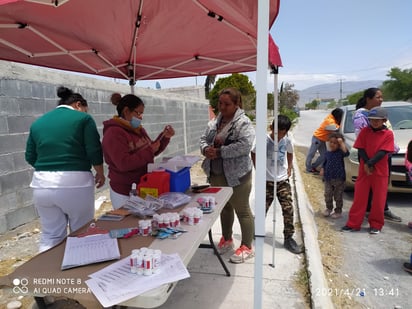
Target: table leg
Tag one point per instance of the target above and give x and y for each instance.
(41, 304)
(212, 245)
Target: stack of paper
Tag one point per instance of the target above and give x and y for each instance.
(115, 283)
(90, 249)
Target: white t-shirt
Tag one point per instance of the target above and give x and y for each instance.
(284, 147)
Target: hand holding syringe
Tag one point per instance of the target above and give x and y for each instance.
(168, 132)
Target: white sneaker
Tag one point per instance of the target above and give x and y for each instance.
(242, 254)
(225, 246)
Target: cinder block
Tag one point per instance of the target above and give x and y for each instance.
(15, 181)
(25, 196)
(4, 127)
(8, 203)
(19, 124)
(32, 107)
(13, 143)
(9, 106)
(6, 163)
(3, 224)
(20, 216)
(20, 161)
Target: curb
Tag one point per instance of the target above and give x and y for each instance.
(317, 281)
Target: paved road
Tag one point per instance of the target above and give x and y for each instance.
(373, 262)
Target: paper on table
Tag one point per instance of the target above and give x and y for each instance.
(90, 249)
(115, 283)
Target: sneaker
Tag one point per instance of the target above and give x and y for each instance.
(314, 171)
(349, 229)
(291, 245)
(407, 267)
(391, 217)
(327, 212)
(336, 215)
(374, 231)
(242, 254)
(225, 245)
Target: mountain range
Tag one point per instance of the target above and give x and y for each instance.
(326, 92)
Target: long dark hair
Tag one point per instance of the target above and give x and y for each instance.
(68, 97)
(367, 94)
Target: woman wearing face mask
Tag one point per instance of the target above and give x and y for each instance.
(62, 146)
(127, 147)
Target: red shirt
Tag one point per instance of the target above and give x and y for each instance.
(373, 141)
(127, 152)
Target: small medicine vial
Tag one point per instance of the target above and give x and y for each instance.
(156, 261)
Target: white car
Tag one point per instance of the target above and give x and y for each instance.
(400, 118)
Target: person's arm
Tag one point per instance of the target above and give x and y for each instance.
(99, 178)
(376, 158)
(342, 145)
(362, 154)
(30, 154)
(253, 156)
(289, 157)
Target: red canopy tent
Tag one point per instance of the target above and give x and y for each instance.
(134, 40)
(150, 39)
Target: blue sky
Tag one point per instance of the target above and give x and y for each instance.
(324, 41)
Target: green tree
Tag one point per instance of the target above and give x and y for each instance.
(312, 105)
(332, 104)
(354, 97)
(288, 97)
(271, 101)
(236, 80)
(399, 86)
(209, 82)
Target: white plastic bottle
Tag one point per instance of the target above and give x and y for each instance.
(133, 190)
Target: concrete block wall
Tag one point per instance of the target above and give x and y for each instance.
(27, 92)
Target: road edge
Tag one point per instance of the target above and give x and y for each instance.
(317, 281)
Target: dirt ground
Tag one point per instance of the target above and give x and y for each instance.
(19, 245)
(330, 242)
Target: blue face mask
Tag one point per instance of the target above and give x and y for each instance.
(135, 122)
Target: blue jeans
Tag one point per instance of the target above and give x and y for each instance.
(316, 146)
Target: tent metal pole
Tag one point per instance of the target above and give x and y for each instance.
(276, 153)
(261, 125)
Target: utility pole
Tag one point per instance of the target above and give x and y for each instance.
(340, 89)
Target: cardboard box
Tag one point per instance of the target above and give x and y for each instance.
(180, 180)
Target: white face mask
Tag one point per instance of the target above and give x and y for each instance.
(135, 122)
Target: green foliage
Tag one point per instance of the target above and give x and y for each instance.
(354, 97)
(332, 104)
(288, 112)
(236, 80)
(271, 101)
(399, 86)
(288, 97)
(312, 105)
(210, 80)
